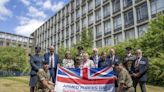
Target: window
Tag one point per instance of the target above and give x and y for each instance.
(72, 41)
(14, 38)
(90, 5)
(128, 18)
(67, 20)
(20, 39)
(116, 5)
(62, 34)
(67, 43)
(98, 30)
(157, 6)
(142, 29)
(2, 35)
(83, 9)
(108, 41)
(72, 17)
(118, 38)
(98, 15)
(84, 21)
(58, 37)
(67, 32)
(97, 2)
(127, 3)
(91, 29)
(117, 22)
(30, 40)
(106, 10)
(99, 43)
(25, 40)
(1, 43)
(72, 29)
(107, 27)
(78, 26)
(63, 24)
(78, 13)
(77, 38)
(72, 6)
(142, 12)
(90, 19)
(77, 2)
(129, 34)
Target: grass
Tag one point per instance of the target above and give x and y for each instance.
(20, 84)
(14, 84)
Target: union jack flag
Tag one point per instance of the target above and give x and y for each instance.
(85, 76)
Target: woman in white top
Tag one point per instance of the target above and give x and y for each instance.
(68, 61)
(86, 62)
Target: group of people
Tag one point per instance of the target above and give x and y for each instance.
(130, 70)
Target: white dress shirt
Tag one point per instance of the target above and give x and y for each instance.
(52, 61)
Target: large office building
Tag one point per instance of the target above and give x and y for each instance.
(111, 22)
(14, 40)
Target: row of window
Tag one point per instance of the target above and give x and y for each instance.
(141, 13)
(129, 34)
(15, 38)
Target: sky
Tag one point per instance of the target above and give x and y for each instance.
(24, 16)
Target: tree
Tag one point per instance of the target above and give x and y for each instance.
(86, 39)
(153, 40)
(13, 59)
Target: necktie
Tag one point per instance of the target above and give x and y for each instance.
(137, 63)
(51, 62)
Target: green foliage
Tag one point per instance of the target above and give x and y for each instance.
(156, 70)
(86, 39)
(13, 59)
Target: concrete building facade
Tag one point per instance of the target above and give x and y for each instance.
(111, 22)
(13, 40)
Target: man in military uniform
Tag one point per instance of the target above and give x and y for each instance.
(79, 56)
(125, 83)
(44, 84)
(129, 55)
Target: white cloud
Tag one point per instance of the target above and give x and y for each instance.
(26, 2)
(27, 26)
(53, 6)
(35, 16)
(47, 4)
(4, 12)
(57, 6)
(34, 12)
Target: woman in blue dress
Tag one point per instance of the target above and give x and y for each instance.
(36, 62)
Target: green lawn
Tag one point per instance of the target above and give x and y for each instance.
(20, 84)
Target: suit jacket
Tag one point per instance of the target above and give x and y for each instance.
(36, 63)
(56, 59)
(103, 64)
(142, 69)
(116, 59)
(93, 59)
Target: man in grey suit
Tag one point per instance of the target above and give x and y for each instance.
(140, 68)
(36, 62)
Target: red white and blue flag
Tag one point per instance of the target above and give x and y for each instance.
(85, 80)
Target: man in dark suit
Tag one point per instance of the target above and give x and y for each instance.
(53, 60)
(95, 57)
(140, 68)
(113, 57)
